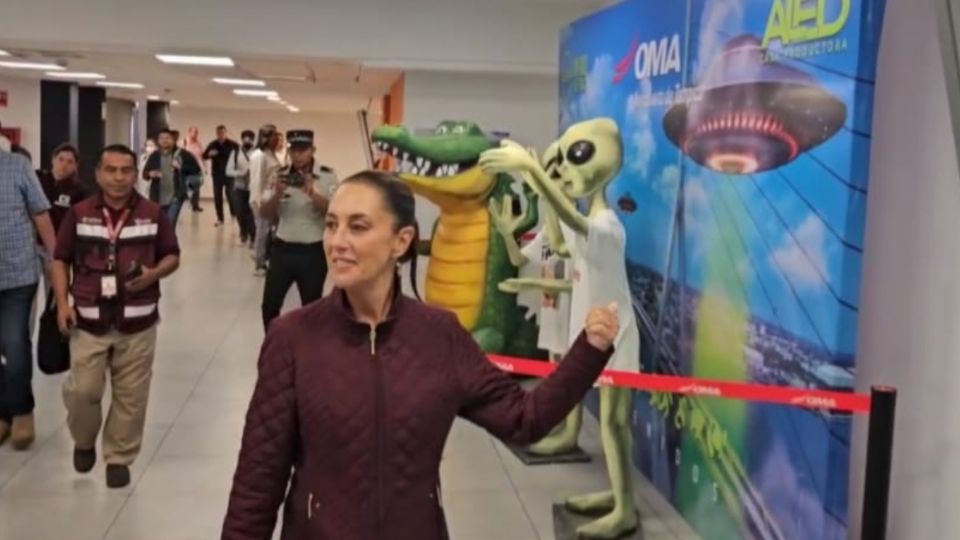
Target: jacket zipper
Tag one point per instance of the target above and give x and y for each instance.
(378, 419)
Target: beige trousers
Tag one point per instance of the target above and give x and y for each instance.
(128, 359)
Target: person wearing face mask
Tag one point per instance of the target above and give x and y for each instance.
(298, 204)
(238, 169)
(357, 392)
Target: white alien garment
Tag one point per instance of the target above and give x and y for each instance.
(553, 307)
(600, 277)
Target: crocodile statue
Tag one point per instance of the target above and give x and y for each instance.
(468, 257)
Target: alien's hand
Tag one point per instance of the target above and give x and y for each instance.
(501, 212)
(509, 157)
(509, 286)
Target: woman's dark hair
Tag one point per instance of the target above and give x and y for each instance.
(400, 202)
(266, 133)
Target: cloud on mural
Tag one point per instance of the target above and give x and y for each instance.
(722, 20)
(802, 257)
(642, 146)
(593, 102)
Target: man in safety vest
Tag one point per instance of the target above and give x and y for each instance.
(117, 246)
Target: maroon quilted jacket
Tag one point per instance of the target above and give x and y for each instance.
(360, 416)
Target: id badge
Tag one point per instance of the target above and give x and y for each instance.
(108, 286)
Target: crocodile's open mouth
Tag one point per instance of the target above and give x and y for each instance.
(408, 163)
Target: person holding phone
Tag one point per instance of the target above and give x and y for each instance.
(116, 246)
(298, 204)
(167, 170)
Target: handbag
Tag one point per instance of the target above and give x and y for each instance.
(53, 348)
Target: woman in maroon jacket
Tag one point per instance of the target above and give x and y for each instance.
(357, 392)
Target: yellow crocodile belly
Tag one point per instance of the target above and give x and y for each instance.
(456, 275)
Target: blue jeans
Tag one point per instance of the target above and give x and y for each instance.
(173, 211)
(16, 394)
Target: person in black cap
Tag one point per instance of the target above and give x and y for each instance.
(298, 204)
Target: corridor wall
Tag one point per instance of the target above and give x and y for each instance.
(911, 289)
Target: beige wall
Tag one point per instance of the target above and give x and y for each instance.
(117, 121)
(910, 310)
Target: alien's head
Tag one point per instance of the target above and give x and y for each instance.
(586, 158)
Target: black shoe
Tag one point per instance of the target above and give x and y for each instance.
(118, 476)
(84, 460)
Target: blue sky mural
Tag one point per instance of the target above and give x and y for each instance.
(785, 240)
(805, 232)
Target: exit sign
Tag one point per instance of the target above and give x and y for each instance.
(3, 98)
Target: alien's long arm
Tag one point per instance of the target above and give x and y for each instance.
(549, 285)
(554, 235)
(514, 252)
(565, 208)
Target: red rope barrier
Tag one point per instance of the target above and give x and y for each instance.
(784, 395)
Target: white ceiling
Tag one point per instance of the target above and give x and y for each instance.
(311, 85)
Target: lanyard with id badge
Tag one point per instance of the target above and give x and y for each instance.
(108, 283)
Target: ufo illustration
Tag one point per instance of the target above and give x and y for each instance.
(750, 115)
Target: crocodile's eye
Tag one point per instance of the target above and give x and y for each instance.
(459, 130)
(581, 152)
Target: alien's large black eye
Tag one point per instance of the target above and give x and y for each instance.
(581, 152)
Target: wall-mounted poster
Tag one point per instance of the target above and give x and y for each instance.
(746, 131)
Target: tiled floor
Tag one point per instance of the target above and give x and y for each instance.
(204, 373)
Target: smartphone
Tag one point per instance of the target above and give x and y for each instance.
(135, 271)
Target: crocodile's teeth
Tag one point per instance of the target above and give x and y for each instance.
(455, 169)
(419, 162)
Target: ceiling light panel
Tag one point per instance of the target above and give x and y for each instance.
(76, 75)
(112, 84)
(190, 60)
(239, 82)
(31, 65)
(255, 93)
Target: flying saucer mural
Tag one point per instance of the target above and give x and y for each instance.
(743, 192)
(753, 116)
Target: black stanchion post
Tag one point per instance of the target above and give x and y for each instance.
(876, 490)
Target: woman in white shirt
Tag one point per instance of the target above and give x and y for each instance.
(264, 166)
